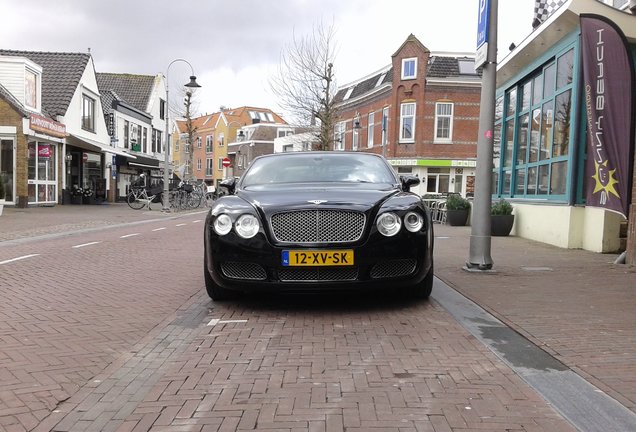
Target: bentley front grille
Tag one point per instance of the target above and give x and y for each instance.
(318, 274)
(393, 268)
(243, 270)
(318, 226)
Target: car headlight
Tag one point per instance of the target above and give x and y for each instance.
(413, 221)
(388, 224)
(247, 226)
(222, 224)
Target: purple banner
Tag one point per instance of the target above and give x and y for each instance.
(608, 74)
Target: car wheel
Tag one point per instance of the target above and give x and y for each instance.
(215, 292)
(423, 289)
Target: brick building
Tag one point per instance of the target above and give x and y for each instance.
(421, 112)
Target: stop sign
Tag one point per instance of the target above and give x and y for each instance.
(226, 162)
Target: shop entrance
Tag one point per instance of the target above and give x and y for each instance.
(7, 155)
(42, 169)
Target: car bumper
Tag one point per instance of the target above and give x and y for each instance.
(379, 262)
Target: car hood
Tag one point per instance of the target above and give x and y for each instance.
(351, 198)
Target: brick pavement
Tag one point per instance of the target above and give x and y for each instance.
(576, 305)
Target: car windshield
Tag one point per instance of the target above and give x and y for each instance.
(319, 168)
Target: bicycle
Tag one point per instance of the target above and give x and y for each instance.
(139, 198)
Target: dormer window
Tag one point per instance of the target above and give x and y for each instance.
(31, 89)
(88, 113)
(409, 68)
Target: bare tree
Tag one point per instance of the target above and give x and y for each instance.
(186, 111)
(305, 85)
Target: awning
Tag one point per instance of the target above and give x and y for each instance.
(144, 162)
(89, 144)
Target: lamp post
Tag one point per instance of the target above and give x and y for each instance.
(166, 168)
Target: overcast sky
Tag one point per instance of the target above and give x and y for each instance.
(234, 45)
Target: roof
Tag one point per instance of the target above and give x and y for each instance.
(439, 66)
(61, 74)
(131, 88)
(11, 100)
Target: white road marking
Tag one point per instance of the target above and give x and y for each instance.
(159, 229)
(18, 258)
(442, 237)
(129, 235)
(180, 224)
(196, 221)
(86, 244)
(215, 321)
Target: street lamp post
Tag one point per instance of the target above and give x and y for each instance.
(166, 168)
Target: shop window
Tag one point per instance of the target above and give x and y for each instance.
(42, 172)
(565, 69)
(535, 132)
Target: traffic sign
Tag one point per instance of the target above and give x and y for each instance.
(483, 22)
(226, 162)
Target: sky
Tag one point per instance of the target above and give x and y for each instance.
(234, 46)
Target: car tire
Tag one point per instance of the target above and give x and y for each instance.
(215, 292)
(423, 289)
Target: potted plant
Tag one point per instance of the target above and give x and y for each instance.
(501, 218)
(1, 194)
(457, 209)
(77, 194)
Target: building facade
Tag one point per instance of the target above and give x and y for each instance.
(541, 132)
(421, 112)
(55, 141)
(134, 111)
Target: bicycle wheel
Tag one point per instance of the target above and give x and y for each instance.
(133, 202)
(194, 200)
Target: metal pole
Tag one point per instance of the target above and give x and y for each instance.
(480, 240)
(166, 167)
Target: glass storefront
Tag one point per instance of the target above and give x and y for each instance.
(6, 167)
(42, 172)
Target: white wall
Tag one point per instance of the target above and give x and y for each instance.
(13, 76)
(73, 116)
(588, 228)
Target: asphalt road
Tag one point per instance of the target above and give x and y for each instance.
(111, 330)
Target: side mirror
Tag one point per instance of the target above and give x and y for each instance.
(229, 184)
(409, 181)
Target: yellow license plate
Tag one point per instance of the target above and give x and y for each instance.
(343, 257)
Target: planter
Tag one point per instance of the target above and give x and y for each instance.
(501, 225)
(456, 217)
(76, 199)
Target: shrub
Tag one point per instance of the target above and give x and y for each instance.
(501, 207)
(457, 202)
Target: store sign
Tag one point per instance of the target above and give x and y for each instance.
(44, 151)
(47, 126)
(610, 97)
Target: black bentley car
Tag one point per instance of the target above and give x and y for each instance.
(318, 221)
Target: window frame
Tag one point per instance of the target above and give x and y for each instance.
(404, 117)
(88, 119)
(523, 175)
(370, 129)
(403, 74)
(339, 136)
(438, 117)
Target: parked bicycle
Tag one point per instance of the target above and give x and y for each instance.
(140, 197)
